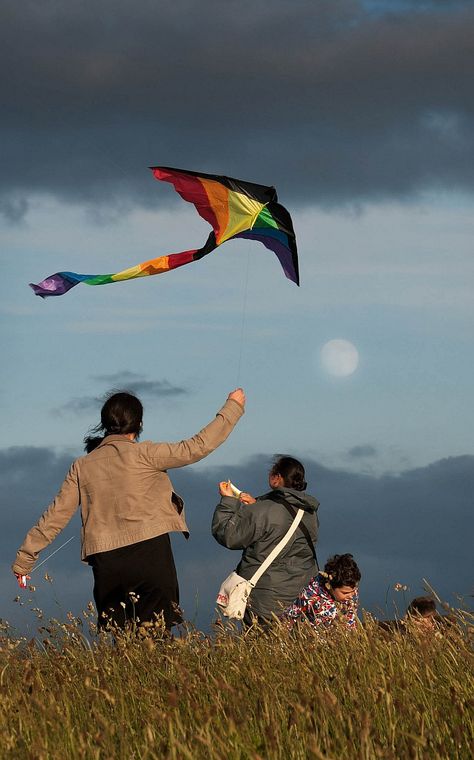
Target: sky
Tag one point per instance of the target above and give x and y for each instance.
(361, 115)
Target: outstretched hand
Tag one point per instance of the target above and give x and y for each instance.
(238, 395)
(22, 580)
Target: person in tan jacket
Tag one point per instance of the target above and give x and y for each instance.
(128, 508)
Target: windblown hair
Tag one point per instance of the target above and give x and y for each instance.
(122, 413)
(291, 471)
(423, 606)
(342, 570)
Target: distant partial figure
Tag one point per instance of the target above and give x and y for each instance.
(256, 526)
(421, 608)
(331, 595)
(422, 615)
(128, 509)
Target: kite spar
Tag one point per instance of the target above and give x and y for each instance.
(234, 209)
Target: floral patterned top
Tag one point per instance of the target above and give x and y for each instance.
(316, 606)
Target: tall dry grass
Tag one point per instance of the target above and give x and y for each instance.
(363, 694)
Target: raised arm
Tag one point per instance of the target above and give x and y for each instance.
(168, 455)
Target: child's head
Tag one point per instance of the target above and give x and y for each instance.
(422, 611)
(343, 576)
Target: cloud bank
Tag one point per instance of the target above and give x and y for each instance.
(331, 102)
(400, 529)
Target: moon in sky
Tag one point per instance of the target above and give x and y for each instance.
(339, 357)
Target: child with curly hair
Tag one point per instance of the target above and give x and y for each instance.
(330, 595)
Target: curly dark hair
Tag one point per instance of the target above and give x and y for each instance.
(342, 570)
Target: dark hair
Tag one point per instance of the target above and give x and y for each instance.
(122, 413)
(422, 605)
(291, 471)
(342, 570)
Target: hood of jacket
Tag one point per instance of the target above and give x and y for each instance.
(298, 499)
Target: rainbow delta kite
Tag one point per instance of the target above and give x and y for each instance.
(233, 208)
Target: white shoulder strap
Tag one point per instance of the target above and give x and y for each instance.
(278, 548)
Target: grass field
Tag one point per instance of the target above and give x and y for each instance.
(363, 694)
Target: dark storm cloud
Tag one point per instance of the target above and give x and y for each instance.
(80, 405)
(135, 383)
(329, 101)
(124, 381)
(400, 528)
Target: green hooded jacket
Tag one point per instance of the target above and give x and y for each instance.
(257, 528)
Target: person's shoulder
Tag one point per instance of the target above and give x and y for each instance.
(265, 503)
(148, 450)
(259, 506)
(317, 584)
(143, 445)
(313, 586)
(302, 499)
(148, 446)
(78, 470)
(297, 499)
(312, 501)
(276, 498)
(76, 464)
(265, 496)
(261, 510)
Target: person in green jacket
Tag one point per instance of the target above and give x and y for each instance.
(257, 525)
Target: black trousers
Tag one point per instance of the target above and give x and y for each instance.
(136, 583)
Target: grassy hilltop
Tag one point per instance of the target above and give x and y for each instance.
(365, 694)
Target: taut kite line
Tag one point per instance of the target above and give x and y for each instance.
(233, 208)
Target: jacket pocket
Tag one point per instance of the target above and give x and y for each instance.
(177, 502)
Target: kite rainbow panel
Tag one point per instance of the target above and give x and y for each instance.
(234, 209)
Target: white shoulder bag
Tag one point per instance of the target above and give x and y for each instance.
(235, 590)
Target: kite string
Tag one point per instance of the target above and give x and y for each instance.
(244, 313)
(52, 554)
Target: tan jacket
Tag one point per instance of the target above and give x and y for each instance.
(124, 491)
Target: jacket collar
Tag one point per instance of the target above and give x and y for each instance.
(324, 591)
(114, 439)
(298, 499)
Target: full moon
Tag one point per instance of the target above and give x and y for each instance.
(339, 357)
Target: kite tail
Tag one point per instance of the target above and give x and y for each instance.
(59, 283)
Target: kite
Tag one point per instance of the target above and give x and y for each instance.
(233, 208)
